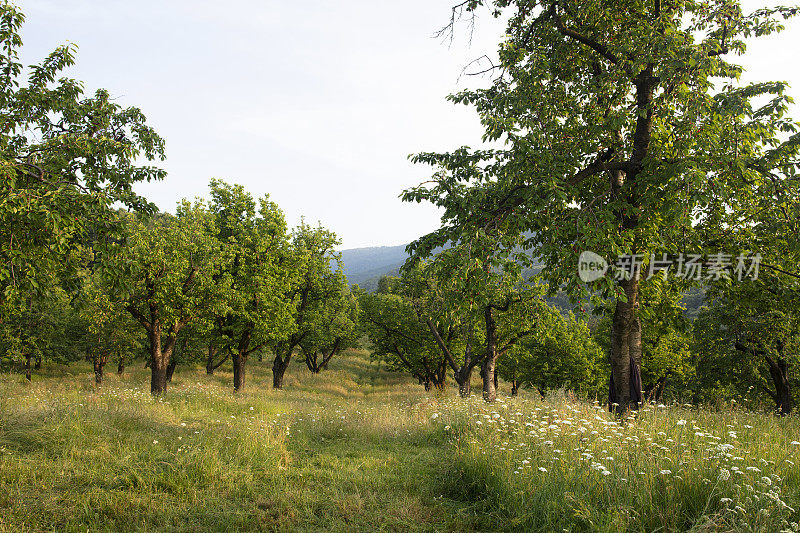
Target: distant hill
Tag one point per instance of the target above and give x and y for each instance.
(365, 266)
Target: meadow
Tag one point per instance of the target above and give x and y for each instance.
(357, 448)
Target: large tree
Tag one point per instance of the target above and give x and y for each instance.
(65, 160)
(337, 331)
(261, 273)
(622, 129)
(319, 283)
(107, 328)
(401, 338)
(170, 270)
(748, 343)
(475, 287)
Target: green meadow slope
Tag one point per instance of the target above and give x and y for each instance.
(361, 449)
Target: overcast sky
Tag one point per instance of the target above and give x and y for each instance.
(317, 104)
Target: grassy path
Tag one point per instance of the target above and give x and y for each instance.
(351, 449)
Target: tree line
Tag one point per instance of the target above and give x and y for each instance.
(617, 129)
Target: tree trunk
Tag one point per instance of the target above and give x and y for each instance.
(214, 366)
(28, 367)
(514, 387)
(121, 365)
(279, 366)
(212, 351)
(158, 376)
(778, 370)
(239, 362)
(159, 361)
(463, 375)
(489, 364)
(464, 380)
(171, 369)
(487, 375)
(626, 350)
(99, 364)
(311, 362)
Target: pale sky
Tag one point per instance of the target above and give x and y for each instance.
(317, 104)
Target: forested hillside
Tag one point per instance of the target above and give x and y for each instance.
(365, 266)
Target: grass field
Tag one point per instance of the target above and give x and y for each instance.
(360, 449)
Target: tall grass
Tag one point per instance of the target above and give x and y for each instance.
(360, 449)
(563, 465)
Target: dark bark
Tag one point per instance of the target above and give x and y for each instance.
(151, 320)
(514, 381)
(778, 371)
(158, 379)
(28, 367)
(440, 376)
(311, 362)
(211, 366)
(626, 350)
(171, 369)
(312, 357)
(626, 330)
(210, 360)
(160, 358)
(239, 363)
(279, 366)
(435, 376)
(463, 373)
(464, 382)
(240, 360)
(488, 368)
(121, 365)
(99, 363)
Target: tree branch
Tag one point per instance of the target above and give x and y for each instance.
(591, 43)
(601, 163)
